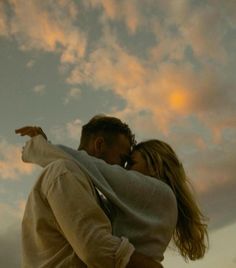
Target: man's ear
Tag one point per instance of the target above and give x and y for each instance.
(99, 145)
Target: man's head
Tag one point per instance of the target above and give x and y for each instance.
(107, 138)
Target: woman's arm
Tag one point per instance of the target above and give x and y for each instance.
(38, 151)
(113, 181)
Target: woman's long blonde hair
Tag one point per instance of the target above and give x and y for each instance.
(190, 235)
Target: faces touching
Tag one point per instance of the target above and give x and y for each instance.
(138, 163)
(116, 153)
(119, 153)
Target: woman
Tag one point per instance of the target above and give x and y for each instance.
(150, 202)
(157, 159)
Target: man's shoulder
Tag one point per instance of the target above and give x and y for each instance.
(52, 172)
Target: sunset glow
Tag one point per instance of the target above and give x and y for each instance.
(178, 100)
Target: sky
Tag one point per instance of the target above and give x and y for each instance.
(166, 67)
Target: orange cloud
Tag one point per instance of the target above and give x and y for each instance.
(110, 8)
(161, 89)
(132, 15)
(168, 91)
(126, 11)
(3, 20)
(74, 129)
(11, 165)
(68, 132)
(55, 31)
(194, 25)
(49, 27)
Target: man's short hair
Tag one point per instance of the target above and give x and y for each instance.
(107, 127)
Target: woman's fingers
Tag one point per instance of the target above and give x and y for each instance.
(40, 131)
(22, 130)
(30, 131)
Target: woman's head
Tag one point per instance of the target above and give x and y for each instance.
(157, 159)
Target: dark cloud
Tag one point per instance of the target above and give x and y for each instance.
(218, 204)
(211, 169)
(10, 247)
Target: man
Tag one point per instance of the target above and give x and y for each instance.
(63, 219)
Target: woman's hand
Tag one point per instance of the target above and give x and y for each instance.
(30, 131)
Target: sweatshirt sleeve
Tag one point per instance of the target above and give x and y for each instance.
(39, 151)
(112, 180)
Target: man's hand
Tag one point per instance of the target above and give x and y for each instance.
(138, 260)
(30, 131)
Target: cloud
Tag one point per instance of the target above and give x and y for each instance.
(68, 132)
(179, 86)
(47, 27)
(212, 166)
(73, 94)
(211, 170)
(167, 83)
(11, 165)
(10, 222)
(74, 129)
(218, 204)
(119, 11)
(204, 44)
(30, 64)
(184, 23)
(166, 91)
(39, 89)
(3, 20)
(10, 243)
(58, 133)
(176, 24)
(11, 213)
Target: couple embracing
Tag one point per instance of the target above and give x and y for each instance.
(111, 203)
